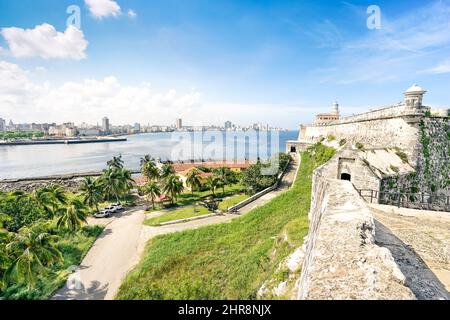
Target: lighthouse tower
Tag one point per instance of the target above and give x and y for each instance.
(335, 109)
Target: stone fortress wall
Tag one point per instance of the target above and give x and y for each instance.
(419, 132)
(401, 132)
(342, 259)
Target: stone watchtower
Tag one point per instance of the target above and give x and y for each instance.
(413, 97)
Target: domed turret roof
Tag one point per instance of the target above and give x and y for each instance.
(415, 89)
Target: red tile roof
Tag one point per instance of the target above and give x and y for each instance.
(213, 165)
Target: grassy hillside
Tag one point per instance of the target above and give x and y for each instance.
(231, 260)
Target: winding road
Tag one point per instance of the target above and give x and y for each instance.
(120, 246)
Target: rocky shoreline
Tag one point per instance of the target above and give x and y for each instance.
(31, 185)
(70, 182)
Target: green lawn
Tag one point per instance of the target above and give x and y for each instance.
(73, 248)
(189, 212)
(230, 260)
(180, 213)
(231, 201)
(187, 197)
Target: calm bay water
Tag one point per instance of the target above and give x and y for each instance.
(43, 160)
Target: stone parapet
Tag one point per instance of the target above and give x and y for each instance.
(342, 260)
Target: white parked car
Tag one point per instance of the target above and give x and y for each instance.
(118, 206)
(102, 214)
(112, 209)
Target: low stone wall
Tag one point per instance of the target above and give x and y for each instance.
(341, 259)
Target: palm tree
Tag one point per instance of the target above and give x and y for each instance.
(125, 181)
(3, 218)
(145, 159)
(57, 197)
(212, 183)
(115, 162)
(173, 186)
(72, 216)
(167, 170)
(4, 258)
(91, 192)
(44, 200)
(110, 184)
(224, 175)
(32, 251)
(150, 170)
(193, 180)
(152, 191)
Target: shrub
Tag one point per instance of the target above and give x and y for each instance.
(402, 155)
(359, 146)
(394, 168)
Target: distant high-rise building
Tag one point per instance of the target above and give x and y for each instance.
(228, 125)
(179, 124)
(2, 125)
(105, 125)
(137, 127)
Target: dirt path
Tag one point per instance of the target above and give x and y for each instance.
(420, 244)
(123, 241)
(102, 270)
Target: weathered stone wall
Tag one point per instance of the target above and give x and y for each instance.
(351, 162)
(432, 174)
(401, 132)
(386, 113)
(342, 260)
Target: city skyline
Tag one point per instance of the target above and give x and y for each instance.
(71, 129)
(274, 61)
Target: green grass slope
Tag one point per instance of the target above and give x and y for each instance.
(231, 260)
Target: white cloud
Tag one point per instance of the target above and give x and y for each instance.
(131, 14)
(440, 69)
(89, 100)
(16, 87)
(103, 8)
(40, 69)
(45, 42)
(23, 99)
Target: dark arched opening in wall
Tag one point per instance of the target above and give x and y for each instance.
(346, 176)
(293, 149)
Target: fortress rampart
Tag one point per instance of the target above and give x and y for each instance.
(342, 260)
(400, 131)
(403, 149)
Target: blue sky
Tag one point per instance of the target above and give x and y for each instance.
(277, 62)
